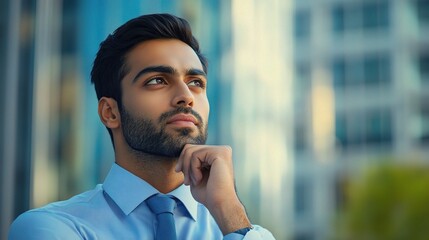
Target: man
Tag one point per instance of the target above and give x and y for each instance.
(150, 79)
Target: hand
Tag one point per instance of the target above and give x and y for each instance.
(209, 172)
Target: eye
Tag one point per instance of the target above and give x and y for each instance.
(197, 83)
(155, 81)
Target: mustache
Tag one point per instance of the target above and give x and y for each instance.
(186, 110)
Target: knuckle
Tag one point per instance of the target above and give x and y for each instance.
(187, 150)
(227, 148)
(193, 156)
(186, 147)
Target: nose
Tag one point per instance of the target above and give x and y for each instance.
(183, 96)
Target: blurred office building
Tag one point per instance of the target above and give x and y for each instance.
(361, 97)
(307, 93)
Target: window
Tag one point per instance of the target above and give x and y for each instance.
(303, 77)
(300, 138)
(341, 130)
(338, 19)
(354, 72)
(339, 72)
(376, 69)
(365, 16)
(424, 122)
(356, 129)
(422, 7)
(424, 67)
(364, 128)
(302, 197)
(302, 24)
(375, 15)
(302, 86)
(378, 127)
(370, 70)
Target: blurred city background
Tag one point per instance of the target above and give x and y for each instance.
(324, 102)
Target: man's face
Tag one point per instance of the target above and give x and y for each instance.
(164, 101)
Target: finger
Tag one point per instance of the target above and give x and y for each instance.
(184, 162)
(198, 160)
(179, 164)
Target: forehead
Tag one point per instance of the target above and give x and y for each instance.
(169, 52)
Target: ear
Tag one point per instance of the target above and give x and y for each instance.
(108, 112)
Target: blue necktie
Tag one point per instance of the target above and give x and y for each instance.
(163, 207)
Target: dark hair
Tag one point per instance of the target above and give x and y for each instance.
(109, 66)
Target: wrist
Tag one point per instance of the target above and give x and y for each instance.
(243, 231)
(230, 216)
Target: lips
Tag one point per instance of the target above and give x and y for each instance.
(184, 119)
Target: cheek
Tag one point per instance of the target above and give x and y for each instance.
(203, 107)
(147, 105)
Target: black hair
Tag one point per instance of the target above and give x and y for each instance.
(109, 66)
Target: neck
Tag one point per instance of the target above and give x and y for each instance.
(158, 171)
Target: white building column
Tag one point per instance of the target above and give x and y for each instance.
(262, 110)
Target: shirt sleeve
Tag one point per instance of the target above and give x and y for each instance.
(36, 225)
(257, 233)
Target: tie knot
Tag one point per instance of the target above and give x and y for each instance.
(161, 204)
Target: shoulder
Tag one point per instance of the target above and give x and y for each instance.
(38, 224)
(57, 220)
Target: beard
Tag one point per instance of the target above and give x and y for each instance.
(146, 136)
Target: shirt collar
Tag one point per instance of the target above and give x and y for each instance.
(128, 191)
(183, 193)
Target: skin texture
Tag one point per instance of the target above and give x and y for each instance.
(180, 82)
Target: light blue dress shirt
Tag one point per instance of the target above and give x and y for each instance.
(117, 209)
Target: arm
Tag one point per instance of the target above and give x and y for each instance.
(209, 172)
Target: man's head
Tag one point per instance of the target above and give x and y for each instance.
(151, 72)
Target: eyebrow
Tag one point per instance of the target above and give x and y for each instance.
(168, 70)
